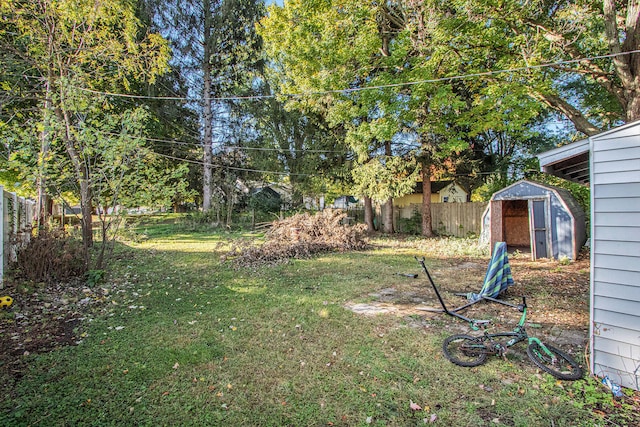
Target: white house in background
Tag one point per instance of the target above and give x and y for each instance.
(610, 163)
(344, 202)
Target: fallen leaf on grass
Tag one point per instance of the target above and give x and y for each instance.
(176, 366)
(432, 419)
(414, 406)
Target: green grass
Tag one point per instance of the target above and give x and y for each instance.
(187, 340)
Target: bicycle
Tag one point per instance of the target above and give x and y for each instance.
(469, 351)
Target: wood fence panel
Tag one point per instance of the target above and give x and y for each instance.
(448, 219)
(457, 219)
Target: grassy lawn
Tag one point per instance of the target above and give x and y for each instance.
(182, 339)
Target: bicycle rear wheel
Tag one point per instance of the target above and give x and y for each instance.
(561, 366)
(464, 350)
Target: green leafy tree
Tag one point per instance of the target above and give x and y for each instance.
(75, 50)
(504, 35)
(217, 49)
(315, 46)
(375, 49)
(297, 145)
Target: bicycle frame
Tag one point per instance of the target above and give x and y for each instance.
(518, 334)
(470, 351)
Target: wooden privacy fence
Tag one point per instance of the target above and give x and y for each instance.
(457, 219)
(447, 219)
(15, 228)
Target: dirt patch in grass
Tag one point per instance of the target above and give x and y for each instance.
(557, 296)
(43, 318)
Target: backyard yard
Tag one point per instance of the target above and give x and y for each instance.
(175, 336)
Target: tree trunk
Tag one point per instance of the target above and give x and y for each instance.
(627, 66)
(388, 206)
(207, 116)
(41, 182)
(577, 118)
(82, 176)
(427, 226)
(229, 206)
(368, 214)
(45, 138)
(388, 217)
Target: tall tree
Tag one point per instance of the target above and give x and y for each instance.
(592, 93)
(73, 48)
(295, 144)
(218, 51)
(320, 47)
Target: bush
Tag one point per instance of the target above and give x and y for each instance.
(50, 257)
(301, 236)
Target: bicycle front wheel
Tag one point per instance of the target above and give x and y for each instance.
(464, 350)
(561, 365)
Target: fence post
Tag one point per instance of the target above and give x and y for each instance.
(2, 239)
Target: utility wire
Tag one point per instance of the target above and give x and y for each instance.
(197, 144)
(199, 162)
(359, 89)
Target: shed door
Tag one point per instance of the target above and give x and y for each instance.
(539, 228)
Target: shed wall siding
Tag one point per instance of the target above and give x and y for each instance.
(615, 255)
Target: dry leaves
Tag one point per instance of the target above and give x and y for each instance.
(300, 236)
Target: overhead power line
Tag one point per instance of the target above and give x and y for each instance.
(219, 145)
(200, 162)
(359, 89)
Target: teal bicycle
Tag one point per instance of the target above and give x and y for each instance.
(469, 351)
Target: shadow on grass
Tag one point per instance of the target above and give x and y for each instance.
(180, 338)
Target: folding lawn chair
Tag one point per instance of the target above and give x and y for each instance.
(496, 281)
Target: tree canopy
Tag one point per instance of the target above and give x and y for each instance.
(151, 99)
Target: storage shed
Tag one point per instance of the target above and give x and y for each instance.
(541, 218)
(612, 162)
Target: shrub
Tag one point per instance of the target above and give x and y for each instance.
(301, 236)
(51, 256)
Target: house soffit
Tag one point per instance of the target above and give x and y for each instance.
(570, 162)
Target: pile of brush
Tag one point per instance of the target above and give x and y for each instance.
(301, 236)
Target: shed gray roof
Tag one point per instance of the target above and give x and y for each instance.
(511, 192)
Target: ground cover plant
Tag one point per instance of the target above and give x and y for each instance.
(175, 336)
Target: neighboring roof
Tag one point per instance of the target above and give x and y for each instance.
(268, 191)
(437, 186)
(570, 161)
